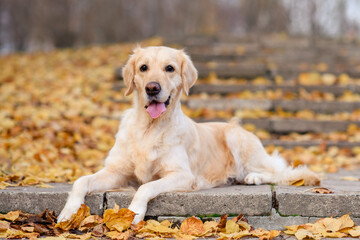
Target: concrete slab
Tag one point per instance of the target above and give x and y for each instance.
(248, 200)
(303, 202)
(35, 200)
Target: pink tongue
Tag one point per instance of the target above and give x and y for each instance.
(155, 109)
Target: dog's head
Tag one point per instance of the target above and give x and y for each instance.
(158, 75)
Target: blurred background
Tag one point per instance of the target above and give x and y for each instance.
(289, 69)
(44, 25)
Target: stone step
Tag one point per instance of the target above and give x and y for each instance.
(234, 88)
(265, 205)
(276, 125)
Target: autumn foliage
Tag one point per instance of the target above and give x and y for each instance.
(116, 223)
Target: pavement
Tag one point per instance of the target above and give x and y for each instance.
(266, 206)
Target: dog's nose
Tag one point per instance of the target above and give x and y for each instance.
(152, 88)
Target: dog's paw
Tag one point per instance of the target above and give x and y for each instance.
(254, 178)
(68, 211)
(139, 211)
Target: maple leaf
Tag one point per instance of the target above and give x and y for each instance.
(192, 226)
(75, 220)
(118, 219)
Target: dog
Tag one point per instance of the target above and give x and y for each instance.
(162, 150)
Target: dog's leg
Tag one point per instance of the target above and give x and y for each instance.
(179, 181)
(103, 180)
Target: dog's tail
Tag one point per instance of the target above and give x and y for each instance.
(287, 175)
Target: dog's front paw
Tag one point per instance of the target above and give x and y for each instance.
(68, 211)
(139, 211)
(254, 178)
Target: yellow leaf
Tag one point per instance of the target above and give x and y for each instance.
(350, 178)
(11, 216)
(210, 226)
(346, 221)
(13, 233)
(118, 219)
(120, 235)
(231, 227)
(303, 233)
(244, 225)
(192, 226)
(68, 235)
(4, 225)
(355, 232)
(155, 226)
(75, 220)
(44, 185)
(291, 230)
(297, 183)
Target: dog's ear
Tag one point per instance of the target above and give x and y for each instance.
(128, 73)
(188, 73)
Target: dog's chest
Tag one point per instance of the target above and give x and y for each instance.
(146, 155)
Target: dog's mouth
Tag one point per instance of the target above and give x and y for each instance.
(155, 108)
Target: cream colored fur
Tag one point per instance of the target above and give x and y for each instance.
(172, 152)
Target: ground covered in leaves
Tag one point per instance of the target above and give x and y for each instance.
(116, 223)
(58, 117)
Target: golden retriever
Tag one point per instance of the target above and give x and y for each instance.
(160, 148)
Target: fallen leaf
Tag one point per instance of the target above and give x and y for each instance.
(297, 183)
(120, 235)
(350, 178)
(303, 233)
(222, 222)
(156, 227)
(75, 220)
(322, 190)
(192, 226)
(44, 185)
(231, 227)
(118, 219)
(355, 232)
(11, 216)
(90, 222)
(4, 225)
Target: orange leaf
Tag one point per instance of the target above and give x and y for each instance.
(118, 219)
(76, 219)
(192, 226)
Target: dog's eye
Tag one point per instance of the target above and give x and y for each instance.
(143, 68)
(169, 68)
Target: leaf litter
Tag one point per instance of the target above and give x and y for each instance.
(116, 223)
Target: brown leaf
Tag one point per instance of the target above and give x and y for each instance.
(75, 220)
(192, 226)
(222, 222)
(322, 190)
(99, 230)
(90, 222)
